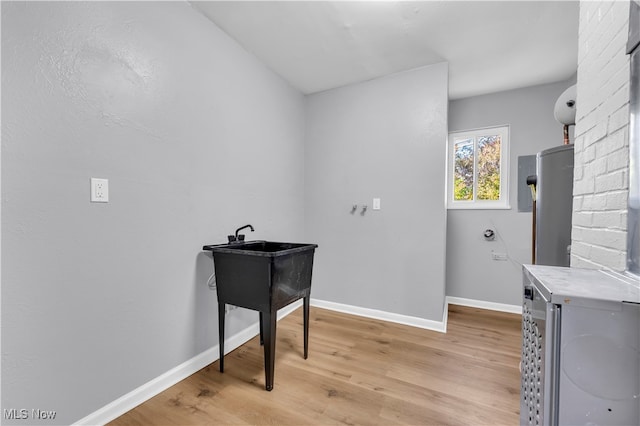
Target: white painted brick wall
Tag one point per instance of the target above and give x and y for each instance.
(601, 175)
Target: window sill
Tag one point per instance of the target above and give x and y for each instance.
(478, 207)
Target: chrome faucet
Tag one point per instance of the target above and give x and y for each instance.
(240, 237)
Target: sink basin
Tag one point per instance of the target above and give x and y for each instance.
(270, 248)
(264, 276)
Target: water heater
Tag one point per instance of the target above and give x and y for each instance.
(554, 205)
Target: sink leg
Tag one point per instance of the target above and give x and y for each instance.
(261, 332)
(269, 347)
(305, 314)
(221, 308)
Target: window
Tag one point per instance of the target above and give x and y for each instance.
(478, 170)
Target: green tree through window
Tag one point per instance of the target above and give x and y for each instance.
(489, 167)
(478, 168)
(463, 174)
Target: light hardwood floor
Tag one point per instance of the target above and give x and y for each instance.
(359, 371)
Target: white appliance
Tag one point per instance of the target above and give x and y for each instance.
(581, 328)
(554, 205)
(581, 347)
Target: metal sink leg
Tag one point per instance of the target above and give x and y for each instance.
(221, 308)
(261, 332)
(267, 338)
(305, 315)
(269, 346)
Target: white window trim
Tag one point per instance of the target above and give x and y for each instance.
(503, 203)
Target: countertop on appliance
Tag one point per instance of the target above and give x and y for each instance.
(584, 287)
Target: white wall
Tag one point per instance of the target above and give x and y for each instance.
(471, 272)
(601, 175)
(196, 138)
(383, 138)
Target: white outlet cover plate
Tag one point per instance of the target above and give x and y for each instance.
(498, 256)
(99, 190)
(376, 203)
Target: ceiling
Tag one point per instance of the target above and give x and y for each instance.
(490, 46)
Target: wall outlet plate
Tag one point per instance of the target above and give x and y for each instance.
(498, 256)
(376, 203)
(99, 190)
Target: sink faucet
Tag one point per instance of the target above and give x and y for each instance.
(240, 237)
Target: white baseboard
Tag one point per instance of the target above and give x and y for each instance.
(440, 326)
(492, 306)
(445, 315)
(150, 389)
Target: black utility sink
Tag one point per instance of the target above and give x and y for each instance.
(264, 276)
(266, 247)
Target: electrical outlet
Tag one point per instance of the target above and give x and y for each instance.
(99, 190)
(376, 203)
(498, 256)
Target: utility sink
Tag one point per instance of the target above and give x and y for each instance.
(269, 248)
(264, 276)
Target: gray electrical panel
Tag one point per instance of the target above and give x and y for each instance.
(526, 168)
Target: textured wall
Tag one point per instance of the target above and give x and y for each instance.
(602, 132)
(383, 138)
(471, 272)
(196, 136)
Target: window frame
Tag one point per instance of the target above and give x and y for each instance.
(503, 202)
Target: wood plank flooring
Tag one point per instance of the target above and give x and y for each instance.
(359, 372)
